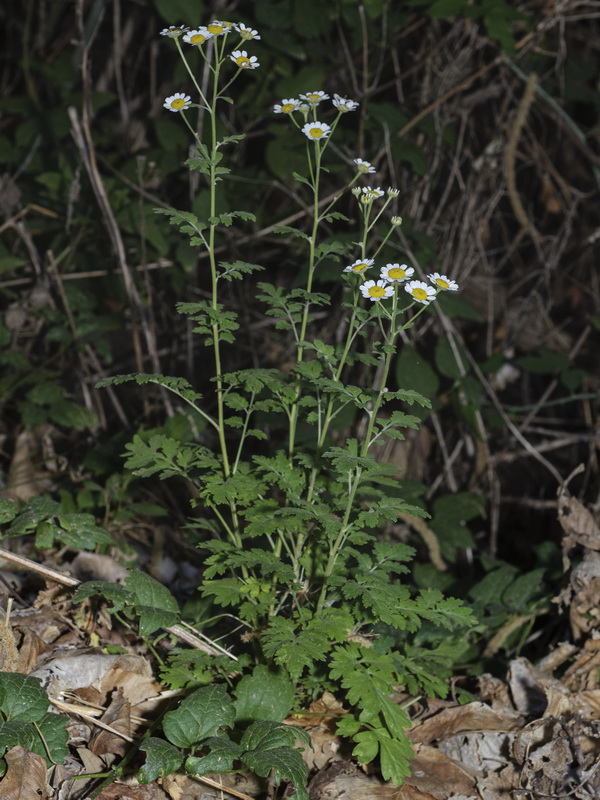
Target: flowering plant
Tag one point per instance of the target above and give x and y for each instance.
(296, 559)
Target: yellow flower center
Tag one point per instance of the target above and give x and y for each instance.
(216, 29)
(419, 294)
(287, 107)
(377, 291)
(242, 61)
(397, 273)
(313, 96)
(178, 103)
(359, 267)
(442, 283)
(197, 39)
(316, 133)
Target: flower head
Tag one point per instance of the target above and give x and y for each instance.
(442, 282)
(396, 220)
(219, 26)
(178, 102)
(376, 290)
(393, 192)
(314, 98)
(174, 31)
(287, 106)
(395, 273)
(370, 194)
(363, 166)
(198, 36)
(245, 32)
(342, 104)
(243, 60)
(316, 130)
(420, 292)
(360, 266)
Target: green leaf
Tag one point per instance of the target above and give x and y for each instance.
(81, 531)
(52, 739)
(222, 753)
(394, 757)
(22, 699)
(286, 764)
(38, 509)
(296, 646)
(16, 733)
(289, 229)
(199, 716)
(270, 735)
(162, 759)
(117, 594)
(237, 269)
(267, 694)
(153, 602)
(8, 511)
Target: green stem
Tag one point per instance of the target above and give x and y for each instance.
(311, 268)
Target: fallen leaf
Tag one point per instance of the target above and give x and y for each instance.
(25, 777)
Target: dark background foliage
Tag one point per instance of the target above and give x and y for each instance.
(498, 175)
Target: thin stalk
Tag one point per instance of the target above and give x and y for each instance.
(311, 270)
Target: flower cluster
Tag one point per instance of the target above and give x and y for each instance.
(316, 130)
(392, 274)
(198, 37)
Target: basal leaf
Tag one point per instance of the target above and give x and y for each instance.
(222, 753)
(199, 716)
(22, 698)
(286, 764)
(162, 759)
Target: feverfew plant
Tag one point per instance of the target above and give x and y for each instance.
(296, 558)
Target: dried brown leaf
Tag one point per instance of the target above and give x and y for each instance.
(25, 776)
(471, 717)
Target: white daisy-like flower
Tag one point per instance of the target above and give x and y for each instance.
(243, 60)
(287, 106)
(420, 292)
(198, 36)
(371, 194)
(178, 102)
(343, 104)
(393, 192)
(219, 26)
(376, 290)
(245, 32)
(174, 31)
(314, 98)
(396, 220)
(360, 266)
(363, 166)
(316, 130)
(442, 282)
(395, 273)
